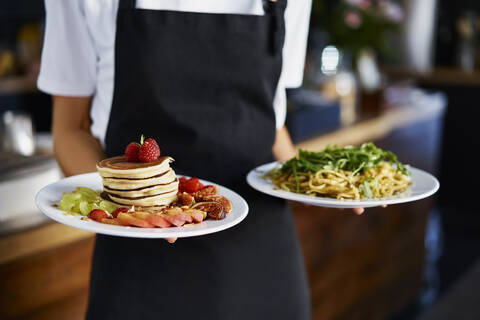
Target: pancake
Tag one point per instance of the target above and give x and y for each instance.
(143, 191)
(129, 183)
(147, 201)
(151, 184)
(119, 167)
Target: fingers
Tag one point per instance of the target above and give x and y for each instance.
(358, 211)
(171, 240)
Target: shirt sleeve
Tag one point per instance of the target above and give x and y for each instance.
(68, 64)
(297, 22)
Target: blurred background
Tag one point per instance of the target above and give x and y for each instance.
(404, 74)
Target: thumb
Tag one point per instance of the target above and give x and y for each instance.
(358, 211)
(171, 240)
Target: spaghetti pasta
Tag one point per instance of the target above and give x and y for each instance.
(343, 173)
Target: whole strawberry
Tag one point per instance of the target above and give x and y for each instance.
(131, 152)
(149, 151)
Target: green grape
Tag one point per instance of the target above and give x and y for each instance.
(87, 193)
(95, 205)
(72, 196)
(107, 206)
(66, 205)
(85, 207)
(76, 208)
(83, 200)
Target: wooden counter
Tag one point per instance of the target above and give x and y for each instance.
(362, 267)
(439, 76)
(359, 267)
(44, 273)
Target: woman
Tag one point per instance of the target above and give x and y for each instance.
(206, 80)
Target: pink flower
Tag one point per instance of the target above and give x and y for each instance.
(353, 19)
(392, 11)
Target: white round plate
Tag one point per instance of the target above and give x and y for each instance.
(423, 186)
(52, 194)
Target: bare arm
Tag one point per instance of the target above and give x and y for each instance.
(76, 150)
(283, 147)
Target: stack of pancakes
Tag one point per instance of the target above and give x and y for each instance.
(149, 184)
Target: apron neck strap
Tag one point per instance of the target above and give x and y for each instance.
(270, 5)
(127, 4)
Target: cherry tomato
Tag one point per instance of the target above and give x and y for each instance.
(117, 211)
(98, 215)
(181, 183)
(192, 185)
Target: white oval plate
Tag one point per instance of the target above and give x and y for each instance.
(423, 186)
(52, 194)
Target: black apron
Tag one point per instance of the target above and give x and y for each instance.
(202, 85)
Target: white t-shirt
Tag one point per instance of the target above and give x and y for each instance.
(78, 49)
